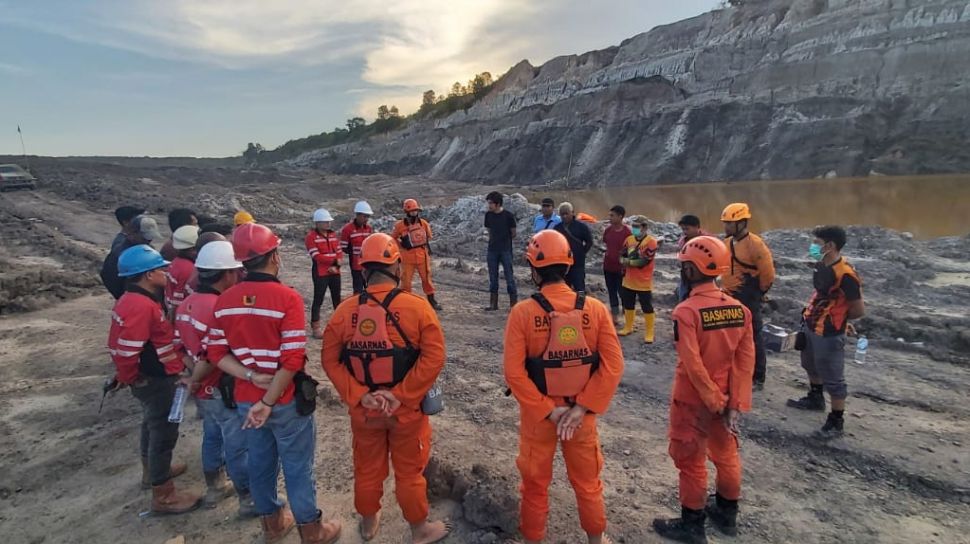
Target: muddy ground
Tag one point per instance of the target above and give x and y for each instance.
(901, 474)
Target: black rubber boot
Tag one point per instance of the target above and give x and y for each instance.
(833, 427)
(723, 514)
(689, 527)
(434, 303)
(513, 298)
(492, 302)
(814, 401)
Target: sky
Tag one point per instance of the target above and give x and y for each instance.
(205, 77)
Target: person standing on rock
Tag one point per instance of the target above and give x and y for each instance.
(142, 346)
(413, 234)
(751, 274)
(580, 241)
(614, 236)
(351, 237)
(563, 363)
(223, 440)
(182, 270)
(383, 352)
(712, 386)
(638, 259)
(260, 328)
(143, 230)
(548, 218)
(690, 228)
(177, 218)
(837, 299)
(323, 247)
(501, 227)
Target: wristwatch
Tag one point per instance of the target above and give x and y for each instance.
(249, 376)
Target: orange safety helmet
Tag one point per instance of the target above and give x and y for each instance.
(547, 248)
(736, 212)
(709, 255)
(411, 205)
(251, 240)
(379, 248)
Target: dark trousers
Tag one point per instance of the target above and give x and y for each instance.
(320, 286)
(494, 258)
(158, 436)
(613, 282)
(358, 277)
(576, 277)
(630, 297)
(752, 301)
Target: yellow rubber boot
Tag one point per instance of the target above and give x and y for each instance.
(628, 317)
(649, 320)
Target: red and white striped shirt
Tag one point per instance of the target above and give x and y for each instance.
(179, 274)
(325, 251)
(263, 324)
(193, 319)
(351, 238)
(141, 341)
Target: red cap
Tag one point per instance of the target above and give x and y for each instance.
(252, 240)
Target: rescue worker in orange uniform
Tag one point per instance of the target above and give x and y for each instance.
(751, 273)
(712, 385)
(413, 234)
(563, 363)
(383, 351)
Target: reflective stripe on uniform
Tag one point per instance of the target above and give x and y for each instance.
(250, 311)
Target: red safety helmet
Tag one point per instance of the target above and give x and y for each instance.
(251, 240)
(547, 248)
(379, 248)
(411, 205)
(708, 254)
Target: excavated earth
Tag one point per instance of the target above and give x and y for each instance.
(68, 474)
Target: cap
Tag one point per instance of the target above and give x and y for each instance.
(147, 227)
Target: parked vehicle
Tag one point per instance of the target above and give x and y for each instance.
(12, 176)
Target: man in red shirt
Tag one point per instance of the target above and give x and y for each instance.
(351, 237)
(182, 270)
(223, 441)
(614, 236)
(323, 247)
(260, 328)
(142, 346)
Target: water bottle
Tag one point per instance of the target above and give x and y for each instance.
(433, 403)
(177, 412)
(861, 347)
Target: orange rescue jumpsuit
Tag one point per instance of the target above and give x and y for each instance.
(416, 258)
(406, 435)
(526, 335)
(715, 359)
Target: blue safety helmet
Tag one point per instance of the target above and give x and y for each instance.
(138, 260)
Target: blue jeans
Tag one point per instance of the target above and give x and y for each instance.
(287, 438)
(224, 441)
(493, 258)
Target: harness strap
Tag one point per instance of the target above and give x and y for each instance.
(735, 259)
(364, 295)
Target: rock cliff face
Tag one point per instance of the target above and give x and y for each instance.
(773, 89)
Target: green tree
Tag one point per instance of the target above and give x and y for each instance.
(355, 123)
(428, 98)
(393, 113)
(383, 113)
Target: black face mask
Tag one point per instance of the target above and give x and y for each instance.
(684, 280)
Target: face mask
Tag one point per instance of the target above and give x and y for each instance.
(815, 252)
(636, 231)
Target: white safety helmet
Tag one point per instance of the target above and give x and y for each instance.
(363, 207)
(185, 237)
(217, 255)
(322, 216)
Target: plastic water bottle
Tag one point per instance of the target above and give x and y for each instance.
(433, 403)
(177, 412)
(861, 348)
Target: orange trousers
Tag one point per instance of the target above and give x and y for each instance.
(584, 461)
(409, 447)
(419, 260)
(696, 435)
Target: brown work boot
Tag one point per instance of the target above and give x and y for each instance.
(166, 500)
(492, 302)
(277, 525)
(176, 470)
(319, 532)
(317, 328)
(217, 487)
